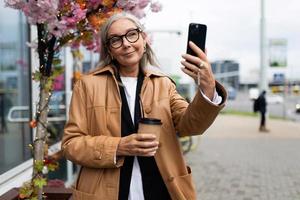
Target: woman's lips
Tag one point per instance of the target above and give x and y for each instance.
(129, 53)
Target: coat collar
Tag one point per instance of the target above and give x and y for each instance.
(149, 71)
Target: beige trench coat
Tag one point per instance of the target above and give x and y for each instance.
(92, 133)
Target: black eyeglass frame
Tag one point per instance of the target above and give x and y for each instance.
(108, 43)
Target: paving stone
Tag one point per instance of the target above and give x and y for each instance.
(234, 162)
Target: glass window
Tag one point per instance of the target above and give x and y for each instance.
(15, 134)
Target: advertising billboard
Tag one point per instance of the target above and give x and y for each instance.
(278, 53)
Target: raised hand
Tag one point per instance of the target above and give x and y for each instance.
(199, 68)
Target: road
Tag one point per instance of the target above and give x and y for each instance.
(234, 161)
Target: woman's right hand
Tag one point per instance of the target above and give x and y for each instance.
(138, 145)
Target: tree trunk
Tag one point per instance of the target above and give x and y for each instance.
(41, 131)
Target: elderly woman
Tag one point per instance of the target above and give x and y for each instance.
(101, 133)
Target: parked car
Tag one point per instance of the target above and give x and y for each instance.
(274, 99)
(297, 107)
(253, 93)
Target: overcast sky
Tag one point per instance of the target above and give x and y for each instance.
(233, 28)
(233, 31)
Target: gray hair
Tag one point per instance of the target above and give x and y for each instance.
(105, 59)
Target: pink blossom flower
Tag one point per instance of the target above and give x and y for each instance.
(62, 4)
(58, 28)
(40, 11)
(143, 3)
(127, 4)
(61, 17)
(70, 22)
(16, 4)
(98, 44)
(75, 45)
(139, 13)
(156, 7)
(78, 13)
(90, 45)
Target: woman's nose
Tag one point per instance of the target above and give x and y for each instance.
(125, 42)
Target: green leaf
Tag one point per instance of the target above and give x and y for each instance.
(36, 76)
(25, 191)
(49, 85)
(34, 198)
(57, 71)
(64, 40)
(56, 61)
(52, 166)
(39, 165)
(39, 182)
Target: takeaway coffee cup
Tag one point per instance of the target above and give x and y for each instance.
(150, 125)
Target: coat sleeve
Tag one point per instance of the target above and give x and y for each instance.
(196, 117)
(78, 145)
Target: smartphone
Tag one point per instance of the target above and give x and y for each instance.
(197, 34)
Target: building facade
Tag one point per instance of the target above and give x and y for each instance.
(227, 72)
(18, 99)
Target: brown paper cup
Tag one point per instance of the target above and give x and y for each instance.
(151, 126)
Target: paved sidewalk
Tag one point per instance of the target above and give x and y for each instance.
(234, 161)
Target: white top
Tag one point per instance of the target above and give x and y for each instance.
(136, 185)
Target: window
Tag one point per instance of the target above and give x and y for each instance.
(15, 135)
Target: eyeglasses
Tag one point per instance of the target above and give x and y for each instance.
(131, 36)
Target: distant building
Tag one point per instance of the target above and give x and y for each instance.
(227, 72)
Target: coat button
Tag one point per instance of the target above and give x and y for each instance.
(147, 110)
(98, 155)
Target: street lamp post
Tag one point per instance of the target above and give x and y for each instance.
(263, 82)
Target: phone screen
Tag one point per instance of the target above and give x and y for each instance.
(197, 34)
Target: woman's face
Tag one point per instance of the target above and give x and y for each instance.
(129, 49)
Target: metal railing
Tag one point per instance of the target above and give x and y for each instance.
(13, 117)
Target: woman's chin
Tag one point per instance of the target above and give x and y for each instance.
(129, 62)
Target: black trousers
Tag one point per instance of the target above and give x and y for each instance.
(262, 119)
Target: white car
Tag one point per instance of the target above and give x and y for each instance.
(274, 99)
(253, 93)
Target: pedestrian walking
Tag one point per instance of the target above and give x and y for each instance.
(117, 161)
(261, 107)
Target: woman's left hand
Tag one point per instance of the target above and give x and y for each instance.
(199, 68)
